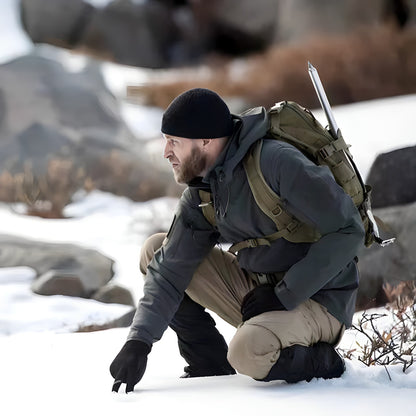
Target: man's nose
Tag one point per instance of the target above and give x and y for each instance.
(167, 151)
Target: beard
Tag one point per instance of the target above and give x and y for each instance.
(191, 167)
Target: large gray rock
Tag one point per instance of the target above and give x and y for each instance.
(152, 33)
(124, 31)
(393, 178)
(39, 89)
(298, 20)
(256, 18)
(59, 22)
(112, 293)
(131, 33)
(82, 271)
(122, 322)
(243, 27)
(58, 282)
(392, 264)
(51, 117)
(65, 269)
(411, 17)
(160, 33)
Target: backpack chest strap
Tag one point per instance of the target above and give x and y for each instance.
(260, 241)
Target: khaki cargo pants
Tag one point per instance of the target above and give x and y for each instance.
(220, 286)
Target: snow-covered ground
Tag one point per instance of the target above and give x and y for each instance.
(113, 225)
(47, 369)
(67, 374)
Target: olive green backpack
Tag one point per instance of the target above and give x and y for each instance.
(293, 124)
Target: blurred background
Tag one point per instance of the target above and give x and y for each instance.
(83, 85)
(82, 80)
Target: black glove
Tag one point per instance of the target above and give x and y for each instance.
(261, 299)
(129, 365)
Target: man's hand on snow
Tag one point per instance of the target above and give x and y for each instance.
(261, 299)
(130, 364)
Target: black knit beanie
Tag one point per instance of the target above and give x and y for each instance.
(197, 114)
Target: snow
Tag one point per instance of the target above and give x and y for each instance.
(13, 40)
(68, 374)
(48, 369)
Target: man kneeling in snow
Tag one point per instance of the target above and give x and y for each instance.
(290, 302)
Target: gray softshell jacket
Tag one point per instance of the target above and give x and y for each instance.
(324, 271)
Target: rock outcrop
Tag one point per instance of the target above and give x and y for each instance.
(62, 130)
(392, 264)
(64, 269)
(163, 33)
(393, 178)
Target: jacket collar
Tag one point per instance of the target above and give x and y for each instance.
(249, 127)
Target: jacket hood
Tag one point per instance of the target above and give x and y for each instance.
(250, 126)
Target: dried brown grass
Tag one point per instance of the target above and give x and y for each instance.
(44, 195)
(365, 65)
(122, 175)
(47, 195)
(402, 294)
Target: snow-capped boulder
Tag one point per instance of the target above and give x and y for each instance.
(392, 264)
(112, 293)
(65, 269)
(299, 19)
(127, 32)
(54, 118)
(55, 21)
(156, 33)
(393, 178)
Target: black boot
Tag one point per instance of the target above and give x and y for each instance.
(200, 343)
(298, 363)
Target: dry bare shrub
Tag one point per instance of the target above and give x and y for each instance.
(388, 345)
(56, 188)
(121, 174)
(7, 187)
(367, 64)
(388, 337)
(117, 172)
(108, 172)
(44, 195)
(401, 295)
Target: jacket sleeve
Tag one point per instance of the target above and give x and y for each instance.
(312, 195)
(189, 240)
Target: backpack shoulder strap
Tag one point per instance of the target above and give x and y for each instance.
(207, 206)
(267, 200)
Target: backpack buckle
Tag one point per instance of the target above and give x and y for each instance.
(252, 242)
(384, 243)
(277, 211)
(292, 226)
(323, 152)
(262, 278)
